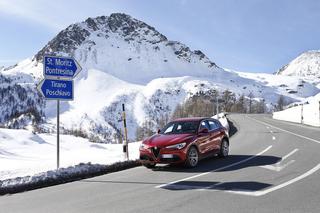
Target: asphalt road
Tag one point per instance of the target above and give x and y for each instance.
(273, 166)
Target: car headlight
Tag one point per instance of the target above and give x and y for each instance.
(177, 146)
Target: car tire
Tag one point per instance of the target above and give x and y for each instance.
(149, 165)
(224, 149)
(192, 157)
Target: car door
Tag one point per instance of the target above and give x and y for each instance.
(204, 138)
(221, 131)
(215, 134)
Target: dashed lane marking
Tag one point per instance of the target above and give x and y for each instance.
(300, 136)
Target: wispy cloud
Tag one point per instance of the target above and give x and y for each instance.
(30, 10)
(54, 15)
(9, 60)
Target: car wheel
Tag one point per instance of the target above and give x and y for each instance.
(149, 165)
(224, 148)
(192, 157)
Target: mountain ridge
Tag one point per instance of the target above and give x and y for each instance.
(307, 64)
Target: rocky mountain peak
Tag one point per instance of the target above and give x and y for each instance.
(67, 41)
(121, 45)
(306, 64)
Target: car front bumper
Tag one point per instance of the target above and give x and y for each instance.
(165, 156)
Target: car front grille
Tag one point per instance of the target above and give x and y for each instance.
(155, 151)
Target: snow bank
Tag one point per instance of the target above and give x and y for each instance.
(305, 113)
(61, 175)
(292, 114)
(223, 120)
(23, 153)
(28, 161)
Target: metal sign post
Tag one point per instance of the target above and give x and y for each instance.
(125, 144)
(58, 133)
(302, 113)
(217, 105)
(58, 84)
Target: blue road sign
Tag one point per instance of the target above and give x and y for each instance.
(60, 67)
(56, 89)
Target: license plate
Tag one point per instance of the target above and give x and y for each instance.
(167, 156)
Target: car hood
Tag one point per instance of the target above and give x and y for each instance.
(162, 140)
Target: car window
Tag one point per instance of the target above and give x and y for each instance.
(218, 123)
(213, 125)
(169, 129)
(203, 125)
(180, 127)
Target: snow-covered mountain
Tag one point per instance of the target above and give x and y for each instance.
(306, 65)
(124, 60)
(125, 48)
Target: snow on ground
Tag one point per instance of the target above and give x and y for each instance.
(223, 120)
(292, 86)
(305, 113)
(23, 153)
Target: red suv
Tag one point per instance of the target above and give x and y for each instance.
(185, 140)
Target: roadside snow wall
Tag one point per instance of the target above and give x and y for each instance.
(223, 120)
(305, 114)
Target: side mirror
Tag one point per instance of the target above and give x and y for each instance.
(205, 130)
(159, 130)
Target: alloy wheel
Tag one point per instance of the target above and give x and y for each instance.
(193, 157)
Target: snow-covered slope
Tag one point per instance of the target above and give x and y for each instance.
(290, 86)
(306, 65)
(23, 153)
(124, 60)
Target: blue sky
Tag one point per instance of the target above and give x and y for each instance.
(244, 35)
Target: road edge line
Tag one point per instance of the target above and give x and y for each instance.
(272, 189)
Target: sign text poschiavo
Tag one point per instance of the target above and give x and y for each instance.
(56, 89)
(60, 67)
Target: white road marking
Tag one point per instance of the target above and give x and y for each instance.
(300, 136)
(211, 186)
(268, 127)
(277, 167)
(272, 189)
(273, 138)
(292, 124)
(215, 170)
(291, 153)
(280, 165)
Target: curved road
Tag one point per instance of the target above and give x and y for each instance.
(274, 166)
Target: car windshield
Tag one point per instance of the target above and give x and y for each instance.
(180, 127)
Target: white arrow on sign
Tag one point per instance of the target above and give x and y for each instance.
(280, 165)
